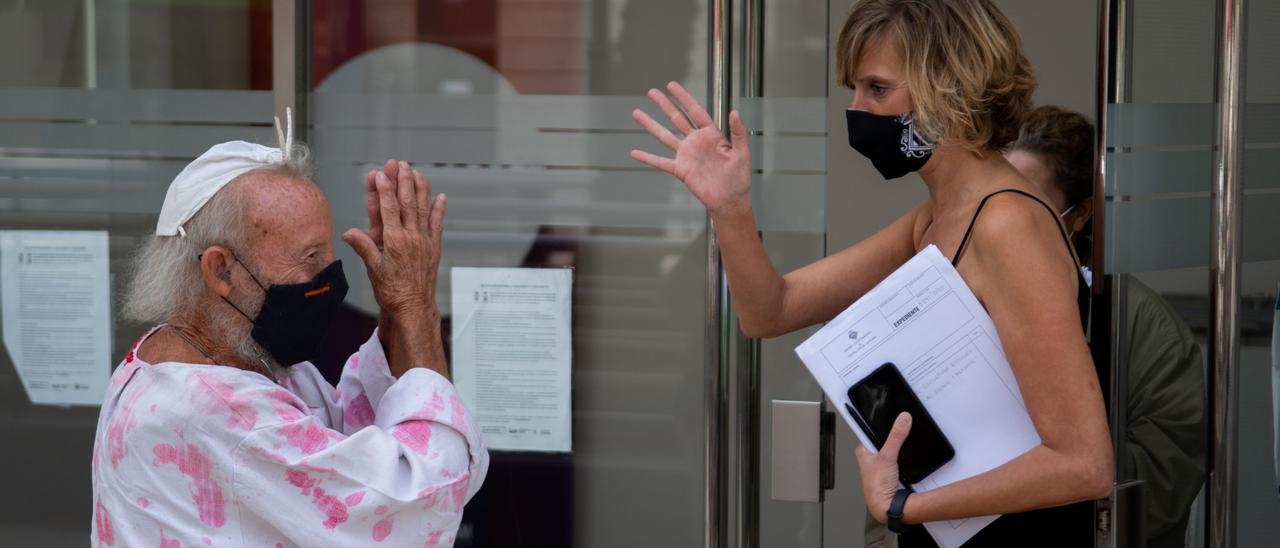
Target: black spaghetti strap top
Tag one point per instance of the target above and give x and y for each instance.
(1082, 291)
(1059, 527)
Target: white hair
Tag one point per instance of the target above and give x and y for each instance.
(165, 278)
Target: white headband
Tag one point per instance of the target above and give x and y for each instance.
(207, 174)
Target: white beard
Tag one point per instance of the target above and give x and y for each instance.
(232, 331)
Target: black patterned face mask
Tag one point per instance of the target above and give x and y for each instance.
(892, 144)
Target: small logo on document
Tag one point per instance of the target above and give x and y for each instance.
(853, 335)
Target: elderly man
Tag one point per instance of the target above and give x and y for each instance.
(217, 430)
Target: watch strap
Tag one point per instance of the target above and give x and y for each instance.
(894, 514)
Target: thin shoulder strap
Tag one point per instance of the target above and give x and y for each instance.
(964, 242)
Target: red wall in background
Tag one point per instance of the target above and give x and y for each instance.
(343, 29)
(536, 45)
(260, 44)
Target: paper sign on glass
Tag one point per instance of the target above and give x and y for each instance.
(512, 354)
(55, 290)
(924, 318)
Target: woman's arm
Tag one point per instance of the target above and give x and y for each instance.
(1025, 276)
(718, 172)
(769, 305)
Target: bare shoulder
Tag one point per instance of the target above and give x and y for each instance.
(1018, 237)
(1010, 216)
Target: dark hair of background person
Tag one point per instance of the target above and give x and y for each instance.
(1063, 139)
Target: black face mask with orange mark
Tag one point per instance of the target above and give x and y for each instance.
(294, 318)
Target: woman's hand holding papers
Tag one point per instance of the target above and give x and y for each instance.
(880, 470)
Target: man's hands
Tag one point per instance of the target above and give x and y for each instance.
(880, 470)
(401, 252)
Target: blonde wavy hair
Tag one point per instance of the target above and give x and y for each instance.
(969, 80)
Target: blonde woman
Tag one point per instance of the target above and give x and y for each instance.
(940, 87)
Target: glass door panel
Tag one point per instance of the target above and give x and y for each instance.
(102, 103)
(1258, 489)
(1159, 175)
(520, 112)
(782, 92)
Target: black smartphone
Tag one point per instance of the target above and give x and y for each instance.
(876, 402)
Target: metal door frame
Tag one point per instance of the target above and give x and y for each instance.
(1114, 46)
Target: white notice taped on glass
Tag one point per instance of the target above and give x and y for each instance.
(54, 288)
(512, 353)
(924, 319)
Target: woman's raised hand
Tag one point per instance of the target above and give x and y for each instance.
(716, 170)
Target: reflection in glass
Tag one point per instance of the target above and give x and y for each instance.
(101, 104)
(520, 113)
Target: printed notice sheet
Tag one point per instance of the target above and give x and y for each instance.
(54, 289)
(512, 354)
(924, 319)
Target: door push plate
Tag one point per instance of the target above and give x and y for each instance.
(796, 453)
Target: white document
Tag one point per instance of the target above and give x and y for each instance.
(512, 354)
(55, 291)
(924, 319)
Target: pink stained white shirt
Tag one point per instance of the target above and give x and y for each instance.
(200, 455)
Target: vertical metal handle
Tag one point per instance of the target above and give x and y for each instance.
(290, 58)
(1224, 274)
(716, 397)
(747, 362)
(1104, 533)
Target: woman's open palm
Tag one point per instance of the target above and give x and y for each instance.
(716, 170)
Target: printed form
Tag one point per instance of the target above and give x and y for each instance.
(513, 355)
(924, 319)
(55, 299)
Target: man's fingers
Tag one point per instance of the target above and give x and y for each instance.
(658, 131)
(672, 111)
(653, 160)
(407, 194)
(422, 191)
(371, 205)
(392, 169)
(388, 203)
(363, 245)
(696, 112)
(897, 435)
(437, 220)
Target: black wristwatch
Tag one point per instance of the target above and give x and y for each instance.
(895, 511)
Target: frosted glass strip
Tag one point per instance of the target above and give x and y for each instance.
(498, 197)
(154, 140)
(529, 147)
(792, 203)
(1186, 124)
(1163, 172)
(1174, 233)
(143, 105)
(334, 110)
(784, 114)
(791, 153)
(1161, 124)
